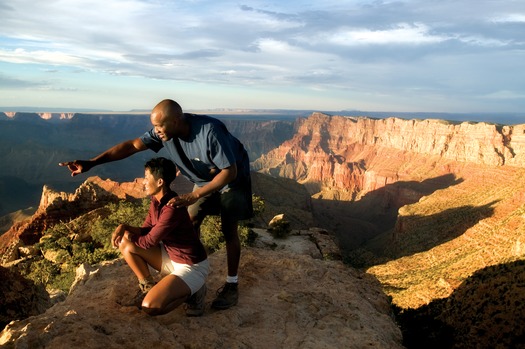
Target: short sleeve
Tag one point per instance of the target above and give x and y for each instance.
(220, 150)
(152, 141)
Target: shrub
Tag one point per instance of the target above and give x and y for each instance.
(42, 271)
(69, 253)
(213, 239)
(211, 230)
(124, 211)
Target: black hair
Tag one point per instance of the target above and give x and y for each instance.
(162, 168)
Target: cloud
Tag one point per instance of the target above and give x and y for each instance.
(21, 55)
(506, 95)
(403, 33)
(8, 82)
(374, 47)
(510, 18)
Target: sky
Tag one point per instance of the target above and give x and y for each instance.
(407, 55)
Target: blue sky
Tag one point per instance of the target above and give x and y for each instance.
(426, 56)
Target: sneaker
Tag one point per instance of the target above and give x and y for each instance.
(146, 286)
(227, 296)
(139, 297)
(195, 304)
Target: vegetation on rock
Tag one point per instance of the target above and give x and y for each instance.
(67, 245)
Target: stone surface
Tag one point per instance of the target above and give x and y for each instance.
(287, 300)
(19, 297)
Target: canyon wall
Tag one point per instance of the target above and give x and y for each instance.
(360, 171)
(356, 155)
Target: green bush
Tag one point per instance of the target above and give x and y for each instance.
(211, 230)
(69, 253)
(64, 280)
(123, 212)
(213, 239)
(43, 271)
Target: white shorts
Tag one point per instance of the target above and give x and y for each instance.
(193, 275)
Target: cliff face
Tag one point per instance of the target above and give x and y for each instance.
(357, 155)
(259, 137)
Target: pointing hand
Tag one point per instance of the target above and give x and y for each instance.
(76, 167)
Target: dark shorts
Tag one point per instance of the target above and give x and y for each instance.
(233, 204)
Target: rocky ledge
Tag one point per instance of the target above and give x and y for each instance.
(288, 299)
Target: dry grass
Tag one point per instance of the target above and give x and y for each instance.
(449, 235)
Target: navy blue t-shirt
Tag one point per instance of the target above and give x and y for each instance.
(210, 147)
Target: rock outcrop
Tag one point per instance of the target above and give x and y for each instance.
(287, 300)
(60, 206)
(295, 293)
(19, 297)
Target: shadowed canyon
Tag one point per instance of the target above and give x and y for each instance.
(428, 214)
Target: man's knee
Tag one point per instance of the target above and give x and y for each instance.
(127, 246)
(230, 230)
(231, 236)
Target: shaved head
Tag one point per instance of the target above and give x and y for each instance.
(168, 120)
(169, 108)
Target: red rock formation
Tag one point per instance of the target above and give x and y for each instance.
(60, 206)
(356, 155)
(58, 116)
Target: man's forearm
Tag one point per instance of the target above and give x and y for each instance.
(221, 179)
(118, 152)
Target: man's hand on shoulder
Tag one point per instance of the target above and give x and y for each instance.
(183, 200)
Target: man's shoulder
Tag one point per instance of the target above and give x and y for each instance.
(202, 118)
(206, 123)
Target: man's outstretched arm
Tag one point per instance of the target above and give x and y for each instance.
(117, 152)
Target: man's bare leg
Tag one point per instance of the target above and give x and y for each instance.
(166, 295)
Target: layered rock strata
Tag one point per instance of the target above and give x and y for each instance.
(60, 206)
(356, 155)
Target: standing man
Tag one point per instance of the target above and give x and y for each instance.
(210, 157)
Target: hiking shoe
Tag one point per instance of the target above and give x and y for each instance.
(195, 304)
(139, 297)
(227, 296)
(146, 286)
